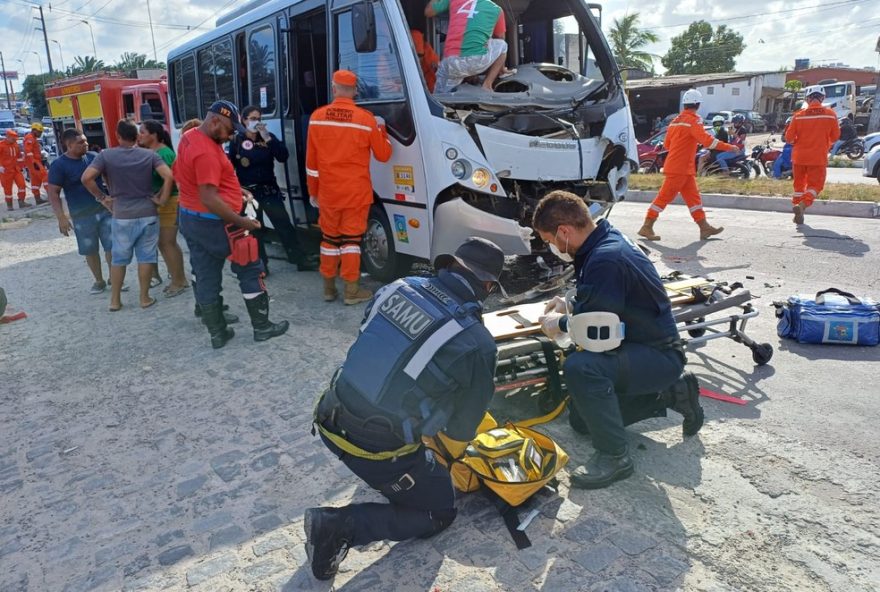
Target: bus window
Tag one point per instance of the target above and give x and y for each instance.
(241, 58)
(262, 65)
(186, 103)
(378, 72)
(216, 79)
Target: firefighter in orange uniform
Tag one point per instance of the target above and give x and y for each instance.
(428, 58)
(33, 160)
(10, 169)
(812, 132)
(680, 171)
(341, 138)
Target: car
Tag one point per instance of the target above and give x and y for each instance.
(871, 140)
(754, 120)
(727, 115)
(872, 164)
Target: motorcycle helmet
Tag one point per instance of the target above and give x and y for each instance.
(691, 97)
(738, 118)
(37, 126)
(718, 120)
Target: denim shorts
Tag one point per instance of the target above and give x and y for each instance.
(91, 230)
(137, 236)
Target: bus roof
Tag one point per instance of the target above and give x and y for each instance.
(259, 12)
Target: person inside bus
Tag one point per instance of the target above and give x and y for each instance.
(474, 42)
(253, 154)
(428, 58)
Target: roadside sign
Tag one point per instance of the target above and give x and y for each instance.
(9, 75)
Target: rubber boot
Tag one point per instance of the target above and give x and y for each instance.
(258, 309)
(684, 397)
(329, 533)
(212, 317)
(330, 293)
(647, 230)
(40, 201)
(22, 204)
(9, 204)
(798, 211)
(228, 316)
(354, 294)
(707, 230)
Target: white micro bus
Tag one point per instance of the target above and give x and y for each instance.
(469, 162)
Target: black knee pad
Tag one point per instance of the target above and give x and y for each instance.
(440, 521)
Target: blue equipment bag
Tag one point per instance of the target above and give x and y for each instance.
(833, 317)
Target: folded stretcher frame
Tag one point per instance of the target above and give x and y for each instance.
(530, 364)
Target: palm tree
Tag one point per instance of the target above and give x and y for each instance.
(85, 64)
(627, 41)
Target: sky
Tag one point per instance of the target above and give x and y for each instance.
(775, 31)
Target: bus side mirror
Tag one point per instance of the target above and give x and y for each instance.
(363, 27)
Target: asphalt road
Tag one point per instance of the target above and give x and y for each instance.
(134, 457)
(849, 175)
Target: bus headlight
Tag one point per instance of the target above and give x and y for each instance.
(460, 169)
(480, 177)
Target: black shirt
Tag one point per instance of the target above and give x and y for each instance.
(254, 160)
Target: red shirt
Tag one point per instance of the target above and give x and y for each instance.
(201, 161)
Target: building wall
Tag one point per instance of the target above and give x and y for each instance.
(740, 94)
(814, 75)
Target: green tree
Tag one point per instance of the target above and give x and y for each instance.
(794, 85)
(628, 41)
(130, 61)
(34, 90)
(84, 65)
(703, 50)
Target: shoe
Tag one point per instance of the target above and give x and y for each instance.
(798, 214)
(258, 309)
(355, 294)
(707, 230)
(98, 287)
(9, 208)
(40, 201)
(329, 533)
(23, 204)
(647, 230)
(684, 397)
(212, 317)
(330, 293)
(602, 470)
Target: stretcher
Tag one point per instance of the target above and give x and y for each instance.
(529, 364)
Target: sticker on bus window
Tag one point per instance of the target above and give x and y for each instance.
(264, 98)
(404, 179)
(400, 228)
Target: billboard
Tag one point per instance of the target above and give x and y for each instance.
(9, 75)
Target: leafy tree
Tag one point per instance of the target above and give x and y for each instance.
(627, 41)
(703, 50)
(130, 61)
(85, 64)
(794, 85)
(34, 91)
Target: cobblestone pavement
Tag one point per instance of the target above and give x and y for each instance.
(134, 457)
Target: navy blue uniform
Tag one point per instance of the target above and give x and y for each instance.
(459, 375)
(619, 387)
(254, 162)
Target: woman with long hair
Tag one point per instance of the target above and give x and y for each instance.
(154, 136)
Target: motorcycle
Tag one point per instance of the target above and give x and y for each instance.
(764, 157)
(854, 148)
(738, 167)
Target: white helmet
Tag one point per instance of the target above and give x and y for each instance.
(814, 90)
(692, 97)
(718, 119)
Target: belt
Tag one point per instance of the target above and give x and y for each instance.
(204, 215)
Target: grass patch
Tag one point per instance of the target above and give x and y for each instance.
(763, 186)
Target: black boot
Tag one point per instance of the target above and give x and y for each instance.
(329, 533)
(303, 261)
(228, 316)
(684, 396)
(212, 317)
(602, 470)
(258, 309)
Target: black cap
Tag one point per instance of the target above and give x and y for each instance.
(482, 257)
(228, 109)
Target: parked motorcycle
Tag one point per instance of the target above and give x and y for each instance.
(764, 156)
(854, 148)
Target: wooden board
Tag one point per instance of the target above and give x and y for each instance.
(515, 321)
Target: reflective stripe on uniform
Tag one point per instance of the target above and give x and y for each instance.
(438, 339)
(713, 144)
(350, 250)
(694, 209)
(657, 209)
(813, 191)
(312, 172)
(330, 252)
(340, 124)
(679, 125)
(802, 117)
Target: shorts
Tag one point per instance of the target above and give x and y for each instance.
(91, 230)
(453, 70)
(138, 236)
(168, 213)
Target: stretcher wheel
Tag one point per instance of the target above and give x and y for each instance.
(696, 332)
(762, 353)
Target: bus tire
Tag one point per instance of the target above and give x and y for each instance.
(379, 257)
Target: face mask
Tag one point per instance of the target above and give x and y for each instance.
(556, 251)
(252, 126)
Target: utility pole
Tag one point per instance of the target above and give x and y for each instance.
(152, 34)
(46, 41)
(874, 121)
(5, 86)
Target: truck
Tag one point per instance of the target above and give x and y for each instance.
(95, 102)
(841, 97)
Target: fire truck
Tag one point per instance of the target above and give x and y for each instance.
(95, 102)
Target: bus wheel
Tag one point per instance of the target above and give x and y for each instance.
(380, 259)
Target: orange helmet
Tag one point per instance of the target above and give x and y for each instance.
(11, 133)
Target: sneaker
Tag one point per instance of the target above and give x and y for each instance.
(98, 287)
(328, 538)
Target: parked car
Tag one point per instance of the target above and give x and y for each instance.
(871, 141)
(727, 115)
(754, 120)
(872, 164)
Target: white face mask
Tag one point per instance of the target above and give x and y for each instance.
(556, 251)
(252, 126)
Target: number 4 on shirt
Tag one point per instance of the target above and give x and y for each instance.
(469, 8)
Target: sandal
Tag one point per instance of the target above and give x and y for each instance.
(155, 281)
(170, 291)
(151, 303)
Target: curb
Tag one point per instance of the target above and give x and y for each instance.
(846, 209)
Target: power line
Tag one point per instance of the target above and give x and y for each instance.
(174, 40)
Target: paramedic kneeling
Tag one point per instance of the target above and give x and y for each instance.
(423, 365)
(642, 376)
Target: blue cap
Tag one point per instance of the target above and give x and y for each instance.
(228, 109)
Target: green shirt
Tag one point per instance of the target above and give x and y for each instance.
(167, 155)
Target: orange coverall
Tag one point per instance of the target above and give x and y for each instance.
(341, 138)
(812, 132)
(11, 161)
(680, 171)
(428, 58)
(33, 159)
